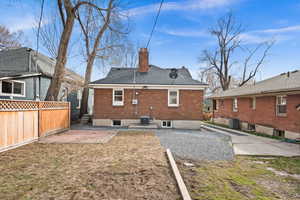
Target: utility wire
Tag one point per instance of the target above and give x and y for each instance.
(39, 26)
(155, 22)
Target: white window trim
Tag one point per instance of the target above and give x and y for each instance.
(166, 126)
(12, 94)
(233, 103)
(173, 105)
(117, 103)
(253, 103)
(277, 113)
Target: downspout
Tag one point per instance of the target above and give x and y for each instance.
(134, 93)
(37, 92)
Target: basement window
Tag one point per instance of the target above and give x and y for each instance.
(12, 88)
(251, 127)
(116, 122)
(278, 133)
(166, 124)
(281, 102)
(118, 97)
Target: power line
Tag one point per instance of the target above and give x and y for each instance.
(155, 22)
(39, 26)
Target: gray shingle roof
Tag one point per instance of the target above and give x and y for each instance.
(284, 82)
(155, 76)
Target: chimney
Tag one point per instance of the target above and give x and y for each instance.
(143, 60)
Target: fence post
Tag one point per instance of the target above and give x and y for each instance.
(69, 114)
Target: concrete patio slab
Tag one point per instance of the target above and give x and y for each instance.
(247, 144)
(80, 137)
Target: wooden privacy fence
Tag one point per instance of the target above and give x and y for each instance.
(22, 122)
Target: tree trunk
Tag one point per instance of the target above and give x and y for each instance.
(58, 76)
(87, 80)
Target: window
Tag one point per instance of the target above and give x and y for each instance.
(253, 103)
(166, 124)
(12, 88)
(281, 105)
(216, 104)
(118, 97)
(235, 105)
(173, 98)
(251, 127)
(116, 122)
(278, 133)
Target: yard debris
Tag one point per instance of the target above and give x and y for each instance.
(282, 173)
(188, 164)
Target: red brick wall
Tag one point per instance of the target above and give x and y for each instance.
(190, 105)
(265, 112)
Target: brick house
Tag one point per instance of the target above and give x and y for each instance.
(170, 98)
(271, 106)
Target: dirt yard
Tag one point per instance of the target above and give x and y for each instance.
(244, 178)
(131, 166)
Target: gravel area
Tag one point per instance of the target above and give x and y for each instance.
(188, 144)
(197, 145)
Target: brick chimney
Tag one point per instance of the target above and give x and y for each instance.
(143, 60)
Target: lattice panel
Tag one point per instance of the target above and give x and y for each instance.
(7, 105)
(53, 105)
(13, 105)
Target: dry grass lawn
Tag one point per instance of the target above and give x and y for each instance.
(244, 178)
(131, 166)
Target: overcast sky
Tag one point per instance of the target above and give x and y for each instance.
(182, 30)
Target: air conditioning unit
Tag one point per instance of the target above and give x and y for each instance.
(134, 101)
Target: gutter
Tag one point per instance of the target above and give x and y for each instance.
(20, 76)
(148, 86)
(263, 93)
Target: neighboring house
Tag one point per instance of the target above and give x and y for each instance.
(271, 106)
(26, 75)
(171, 98)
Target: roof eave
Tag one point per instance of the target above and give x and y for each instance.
(148, 86)
(263, 93)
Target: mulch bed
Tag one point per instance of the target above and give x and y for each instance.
(131, 166)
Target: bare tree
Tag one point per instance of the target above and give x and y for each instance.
(67, 12)
(229, 38)
(10, 39)
(248, 72)
(98, 32)
(210, 77)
